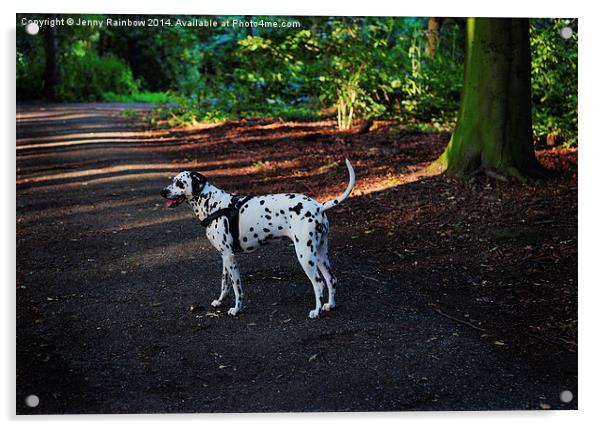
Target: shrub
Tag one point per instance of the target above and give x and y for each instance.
(89, 76)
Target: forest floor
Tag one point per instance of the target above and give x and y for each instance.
(452, 295)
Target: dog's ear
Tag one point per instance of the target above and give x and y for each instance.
(198, 183)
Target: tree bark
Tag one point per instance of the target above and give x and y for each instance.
(432, 37)
(51, 74)
(249, 28)
(494, 130)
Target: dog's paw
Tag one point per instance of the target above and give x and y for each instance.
(314, 314)
(327, 307)
(216, 303)
(233, 311)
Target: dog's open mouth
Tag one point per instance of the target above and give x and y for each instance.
(174, 202)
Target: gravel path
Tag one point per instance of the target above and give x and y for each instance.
(106, 277)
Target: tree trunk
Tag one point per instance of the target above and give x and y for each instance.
(51, 74)
(249, 18)
(432, 37)
(494, 131)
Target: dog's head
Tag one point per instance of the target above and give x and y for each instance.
(187, 185)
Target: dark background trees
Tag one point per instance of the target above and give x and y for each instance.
(348, 68)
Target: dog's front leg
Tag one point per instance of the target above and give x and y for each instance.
(225, 288)
(230, 265)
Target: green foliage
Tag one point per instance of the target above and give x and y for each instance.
(348, 68)
(554, 81)
(354, 65)
(430, 88)
(138, 97)
(88, 76)
(30, 67)
(129, 113)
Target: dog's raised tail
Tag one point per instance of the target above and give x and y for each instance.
(330, 204)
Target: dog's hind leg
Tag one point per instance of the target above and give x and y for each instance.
(324, 266)
(225, 288)
(233, 273)
(309, 262)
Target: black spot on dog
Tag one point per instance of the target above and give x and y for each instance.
(262, 202)
(308, 214)
(251, 229)
(308, 243)
(281, 211)
(268, 217)
(226, 226)
(311, 263)
(297, 209)
(198, 183)
(296, 239)
(279, 227)
(244, 239)
(268, 210)
(311, 233)
(255, 235)
(180, 184)
(250, 248)
(266, 230)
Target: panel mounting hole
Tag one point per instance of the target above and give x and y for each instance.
(32, 401)
(566, 32)
(32, 28)
(566, 396)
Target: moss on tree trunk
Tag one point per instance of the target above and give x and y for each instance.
(494, 130)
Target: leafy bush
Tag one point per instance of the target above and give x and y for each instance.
(554, 81)
(30, 76)
(89, 76)
(138, 97)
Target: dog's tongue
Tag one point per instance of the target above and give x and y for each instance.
(170, 203)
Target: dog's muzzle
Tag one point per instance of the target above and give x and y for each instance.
(172, 202)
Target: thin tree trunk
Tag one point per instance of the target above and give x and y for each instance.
(51, 74)
(432, 37)
(494, 130)
(249, 28)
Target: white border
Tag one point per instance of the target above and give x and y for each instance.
(589, 231)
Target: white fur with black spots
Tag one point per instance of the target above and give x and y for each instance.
(262, 219)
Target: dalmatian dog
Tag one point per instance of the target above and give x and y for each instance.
(236, 224)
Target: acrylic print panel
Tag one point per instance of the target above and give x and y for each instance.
(191, 239)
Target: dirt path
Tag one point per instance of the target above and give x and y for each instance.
(106, 276)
